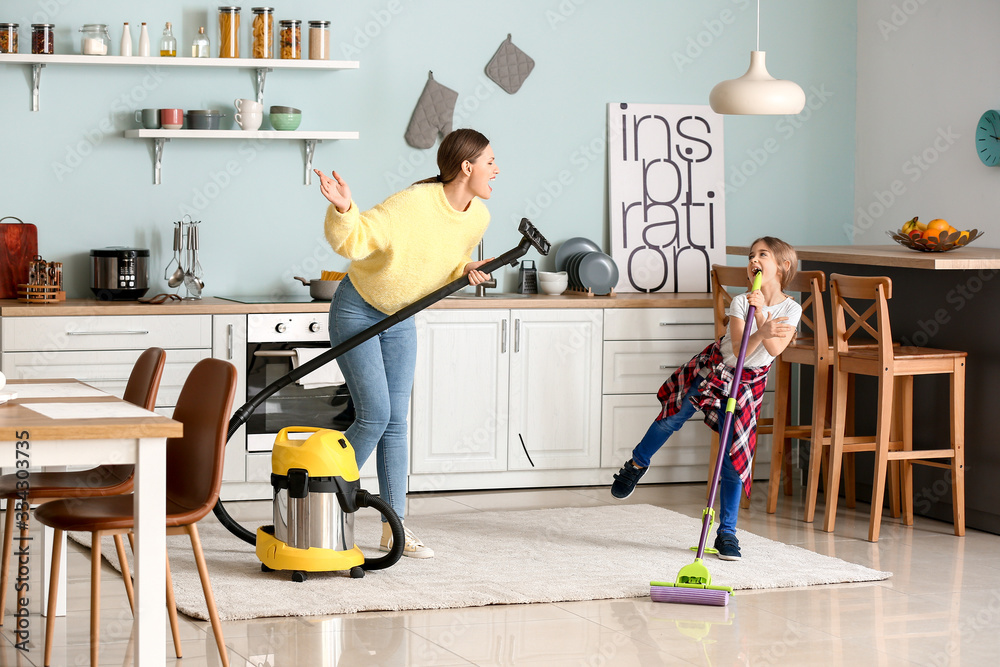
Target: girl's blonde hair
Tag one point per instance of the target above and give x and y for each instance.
(782, 253)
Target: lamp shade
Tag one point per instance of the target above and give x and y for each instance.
(757, 93)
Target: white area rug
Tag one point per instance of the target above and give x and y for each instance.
(485, 558)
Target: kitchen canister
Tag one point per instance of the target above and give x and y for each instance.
(8, 38)
(290, 39)
(319, 40)
(95, 40)
(263, 32)
(43, 40)
(229, 32)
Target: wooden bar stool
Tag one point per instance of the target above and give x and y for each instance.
(895, 368)
(723, 277)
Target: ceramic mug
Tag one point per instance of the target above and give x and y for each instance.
(172, 119)
(249, 121)
(148, 118)
(248, 106)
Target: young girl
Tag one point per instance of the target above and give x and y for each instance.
(705, 381)
(411, 244)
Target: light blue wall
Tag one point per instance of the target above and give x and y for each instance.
(792, 177)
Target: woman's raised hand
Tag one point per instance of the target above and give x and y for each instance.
(335, 190)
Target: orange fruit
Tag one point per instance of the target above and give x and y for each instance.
(915, 234)
(939, 224)
(963, 237)
(933, 235)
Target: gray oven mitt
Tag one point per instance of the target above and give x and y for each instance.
(510, 66)
(433, 113)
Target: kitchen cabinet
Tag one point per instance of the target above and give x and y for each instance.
(229, 343)
(101, 350)
(642, 347)
(489, 380)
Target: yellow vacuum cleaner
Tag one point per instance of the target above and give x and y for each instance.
(316, 493)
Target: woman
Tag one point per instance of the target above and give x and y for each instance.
(413, 243)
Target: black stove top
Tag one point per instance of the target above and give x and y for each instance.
(274, 298)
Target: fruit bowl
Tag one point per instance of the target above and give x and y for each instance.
(941, 243)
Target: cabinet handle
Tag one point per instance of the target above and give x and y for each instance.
(517, 335)
(229, 341)
(107, 333)
(666, 367)
(503, 337)
(274, 353)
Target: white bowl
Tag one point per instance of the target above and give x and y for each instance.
(553, 289)
(552, 276)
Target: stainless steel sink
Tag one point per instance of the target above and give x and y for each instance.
(488, 295)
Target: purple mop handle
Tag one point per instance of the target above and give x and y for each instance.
(728, 423)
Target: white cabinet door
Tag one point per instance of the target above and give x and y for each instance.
(626, 419)
(555, 389)
(229, 343)
(459, 419)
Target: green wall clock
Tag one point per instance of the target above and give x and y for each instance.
(988, 138)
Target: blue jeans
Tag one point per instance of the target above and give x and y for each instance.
(730, 484)
(379, 374)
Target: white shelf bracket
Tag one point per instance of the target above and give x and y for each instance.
(36, 80)
(157, 159)
(261, 80)
(310, 151)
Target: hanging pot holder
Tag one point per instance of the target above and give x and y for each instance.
(510, 66)
(434, 113)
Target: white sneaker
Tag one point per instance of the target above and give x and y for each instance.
(413, 548)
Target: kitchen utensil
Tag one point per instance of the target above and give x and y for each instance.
(191, 281)
(198, 271)
(172, 119)
(204, 119)
(597, 272)
(245, 105)
(571, 265)
(285, 118)
(175, 278)
(148, 118)
(571, 247)
(321, 290)
(18, 245)
(249, 121)
(527, 279)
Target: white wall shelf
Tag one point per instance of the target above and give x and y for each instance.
(310, 139)
(261, 65)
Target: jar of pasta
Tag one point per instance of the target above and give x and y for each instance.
(229, 32)
(291, 39)
(263, 32)
(319, 40)
(43, 39)
(8, 38)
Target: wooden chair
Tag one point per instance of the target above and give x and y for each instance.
(723, 277)
(106, 480)
(194, 478)
(895, 368)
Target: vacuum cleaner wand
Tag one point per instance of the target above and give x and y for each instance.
(530, 238)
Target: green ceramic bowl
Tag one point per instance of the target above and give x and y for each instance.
(285, 121)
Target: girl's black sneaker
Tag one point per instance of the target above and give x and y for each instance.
(728, 546)
(626, 479)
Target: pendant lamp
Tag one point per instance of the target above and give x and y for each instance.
(757, 92)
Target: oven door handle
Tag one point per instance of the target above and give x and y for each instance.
(274, 353)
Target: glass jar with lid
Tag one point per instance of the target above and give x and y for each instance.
(8, 37)
(95, 39)
(229, 32)
(319, 40)
(291, 39)
(263, 32)
(43, 40)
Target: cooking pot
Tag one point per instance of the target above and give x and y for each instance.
(321, 290)
(204, 119)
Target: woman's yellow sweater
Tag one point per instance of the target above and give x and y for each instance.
(408, 246)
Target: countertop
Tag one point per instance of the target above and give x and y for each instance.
(969, 257)
(217, 306)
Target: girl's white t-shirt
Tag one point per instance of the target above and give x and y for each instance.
(760, 356)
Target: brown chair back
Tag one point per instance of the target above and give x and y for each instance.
(194, 460)
(144, 380)
(870, 295)
(810, 285)
(723, 277)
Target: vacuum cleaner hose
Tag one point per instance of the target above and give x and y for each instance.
(365, 499)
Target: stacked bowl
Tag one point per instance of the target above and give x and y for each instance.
(553, 282)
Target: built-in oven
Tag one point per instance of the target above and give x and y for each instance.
(272, 341)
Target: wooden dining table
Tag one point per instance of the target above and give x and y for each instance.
(69, 423)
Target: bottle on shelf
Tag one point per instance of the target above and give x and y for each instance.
(126, 48)
(200, 46)
(168, 45)
(144, 40)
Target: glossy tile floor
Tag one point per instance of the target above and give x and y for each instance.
(941, 607)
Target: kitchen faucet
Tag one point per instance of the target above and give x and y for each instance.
(492, 282)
